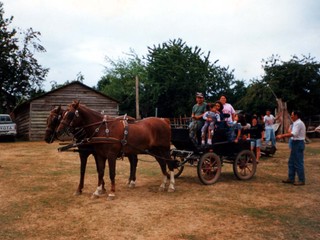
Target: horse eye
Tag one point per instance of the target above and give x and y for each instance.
(55, 121)
(70, 115)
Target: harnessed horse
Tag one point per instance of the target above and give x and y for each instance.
(53, 122)
(85, 151)
(112, 138)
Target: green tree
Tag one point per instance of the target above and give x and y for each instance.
(296, 81)
(119, 81)
(258, 97)
(176, 72)
(21, 76)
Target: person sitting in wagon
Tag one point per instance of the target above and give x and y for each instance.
(197, 121)
(219, 107)
(234, 131)
(211, 118)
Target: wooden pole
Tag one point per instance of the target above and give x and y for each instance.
(137, 99)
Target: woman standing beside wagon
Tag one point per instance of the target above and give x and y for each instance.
(256, 134)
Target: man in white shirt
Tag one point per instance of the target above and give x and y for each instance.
(296, 159)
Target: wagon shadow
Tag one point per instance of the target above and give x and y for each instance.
(227, 177)
(189, 179)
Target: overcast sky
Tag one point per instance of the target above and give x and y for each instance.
(79, 34)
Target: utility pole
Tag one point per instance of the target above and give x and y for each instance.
(137, 99)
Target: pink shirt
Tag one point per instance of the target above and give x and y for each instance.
(228, 109)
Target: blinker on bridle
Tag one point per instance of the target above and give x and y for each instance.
(70, 115)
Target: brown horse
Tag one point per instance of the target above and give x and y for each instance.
(113, 137)
(85, 151)
(53, 122)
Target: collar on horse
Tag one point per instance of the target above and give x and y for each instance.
(107, 139)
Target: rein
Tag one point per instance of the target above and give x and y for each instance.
(107, 131)
(108, 140)
(104, 121)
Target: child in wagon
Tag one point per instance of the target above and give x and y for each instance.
(234, 132)
(211, 118)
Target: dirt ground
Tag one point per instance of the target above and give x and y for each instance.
(36, 200)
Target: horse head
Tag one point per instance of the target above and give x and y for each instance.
(53, 122)
(67, 122)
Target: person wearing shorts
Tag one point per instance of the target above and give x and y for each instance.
(255, 135)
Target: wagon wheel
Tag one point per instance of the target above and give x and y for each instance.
(245, 165)
(209, 168)
(178, 168)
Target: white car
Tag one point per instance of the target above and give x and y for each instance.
(8, 129)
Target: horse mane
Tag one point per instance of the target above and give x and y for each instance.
(93, 112)
(100, 115)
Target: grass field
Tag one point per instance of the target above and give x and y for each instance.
(37, 201)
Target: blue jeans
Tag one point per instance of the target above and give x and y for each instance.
(195, 131)
(296, 161)
(270, 136)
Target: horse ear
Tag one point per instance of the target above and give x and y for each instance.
(59, 108)
(75, 104)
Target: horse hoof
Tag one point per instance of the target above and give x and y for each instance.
(161, 189)
(171, 190)
(77, 193)
(94, 196)
(131, 184)
(103, 191)
(111, 196)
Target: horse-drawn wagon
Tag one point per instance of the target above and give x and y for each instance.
(110, 138)
(210, 158)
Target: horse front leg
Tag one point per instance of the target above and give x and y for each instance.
(112, 174)
(101, 166)
(83, 164)
(133, 159)
(97, 167)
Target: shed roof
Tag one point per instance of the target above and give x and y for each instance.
(26, 103)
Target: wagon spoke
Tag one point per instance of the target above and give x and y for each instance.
(209, 168)
(244, 166)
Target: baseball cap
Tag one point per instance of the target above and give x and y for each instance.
(199, 94)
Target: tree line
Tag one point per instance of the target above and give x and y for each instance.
(172, 72)
(169, 76)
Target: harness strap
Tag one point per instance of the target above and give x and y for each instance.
(105, 120)
(125, 132)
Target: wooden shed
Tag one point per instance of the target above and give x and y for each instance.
(31, 116)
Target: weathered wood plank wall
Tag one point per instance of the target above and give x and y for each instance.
(31, 119)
